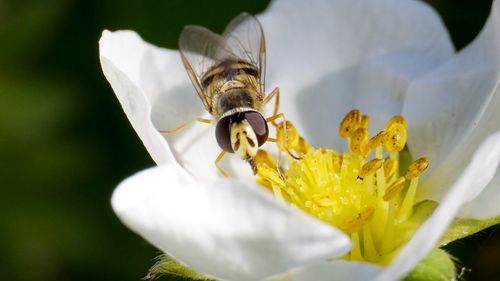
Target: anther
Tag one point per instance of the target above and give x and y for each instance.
(370, 167)
(303, 146)
(417, 167)
(390, 167)
(365, 121)
(394, 188)
(378, 140)
(264, 157)
(358, 141)
(396, 140)
(396, 119)
(364, 216)
(291, 134)
(351, 123)
(271, 175)
(322, 200)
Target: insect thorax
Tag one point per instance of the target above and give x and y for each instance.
(235, 98)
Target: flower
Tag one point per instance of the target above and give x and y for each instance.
(386, 58)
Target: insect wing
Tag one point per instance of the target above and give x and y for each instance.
(201, 49)
(245, 39)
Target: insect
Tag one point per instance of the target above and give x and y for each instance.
(228, 72)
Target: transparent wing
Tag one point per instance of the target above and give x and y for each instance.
(201, 50)
(245, 39)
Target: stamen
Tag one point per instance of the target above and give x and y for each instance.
(396, 137)
(365, 198)
(294, 142)
(414, 170)
(370, 168)
(387, 242)
(370, 252)
(292, 135)
(350, 123)
(394, 189)
(365, 121)
(390, 166)
(396, 119)
(323, 201)
(417, 167)
(378, 140)
(358, 141)
(356, 247)
(264, 157)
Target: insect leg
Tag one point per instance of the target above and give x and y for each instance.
(182, 126)
(276, 116)
(217, 160)
(275, 92)
(275, 140)
(271, 119)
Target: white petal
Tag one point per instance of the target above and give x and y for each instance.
(484, 163)
(153, 88)
(122, 59)
(454, 108)
(485, 205)
(225, 229)
(328, 57)
(338, 270)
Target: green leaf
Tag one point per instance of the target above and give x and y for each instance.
(437, 266)
(461, 228)
(166, 265)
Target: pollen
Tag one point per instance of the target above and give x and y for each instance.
(364, 191)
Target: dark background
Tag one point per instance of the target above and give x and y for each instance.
(65, 142)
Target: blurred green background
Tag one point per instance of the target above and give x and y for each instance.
(65, 142)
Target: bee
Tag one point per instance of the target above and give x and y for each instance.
(228, 73)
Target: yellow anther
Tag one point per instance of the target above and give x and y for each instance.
(303, 146)
(390, 167)
(292, 136)
(365, 121)
(271, 175)
(267, 170)
(378, 140)
(396, 140)
(336, 160)
(394, 188)
(396, 119)
(358, 141)
(322, 200)
(417, 167)
(363, 217)
(351, 123)
(370, 168)
(264, 182)
(264, 157)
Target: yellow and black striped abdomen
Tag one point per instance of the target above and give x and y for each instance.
(230, 70)
(232, 84)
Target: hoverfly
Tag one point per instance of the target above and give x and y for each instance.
(228, 72)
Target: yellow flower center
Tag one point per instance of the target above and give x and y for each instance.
(365, 192)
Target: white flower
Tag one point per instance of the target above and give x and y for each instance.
(385, 57)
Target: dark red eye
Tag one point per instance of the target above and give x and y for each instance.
(223, 134)
(259, 125)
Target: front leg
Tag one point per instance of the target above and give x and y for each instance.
(274, 93)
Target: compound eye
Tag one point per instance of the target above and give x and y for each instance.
(259, 125)
(223, 134)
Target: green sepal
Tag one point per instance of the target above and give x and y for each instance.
(166, 265)
(436, 266)
(461, 228)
